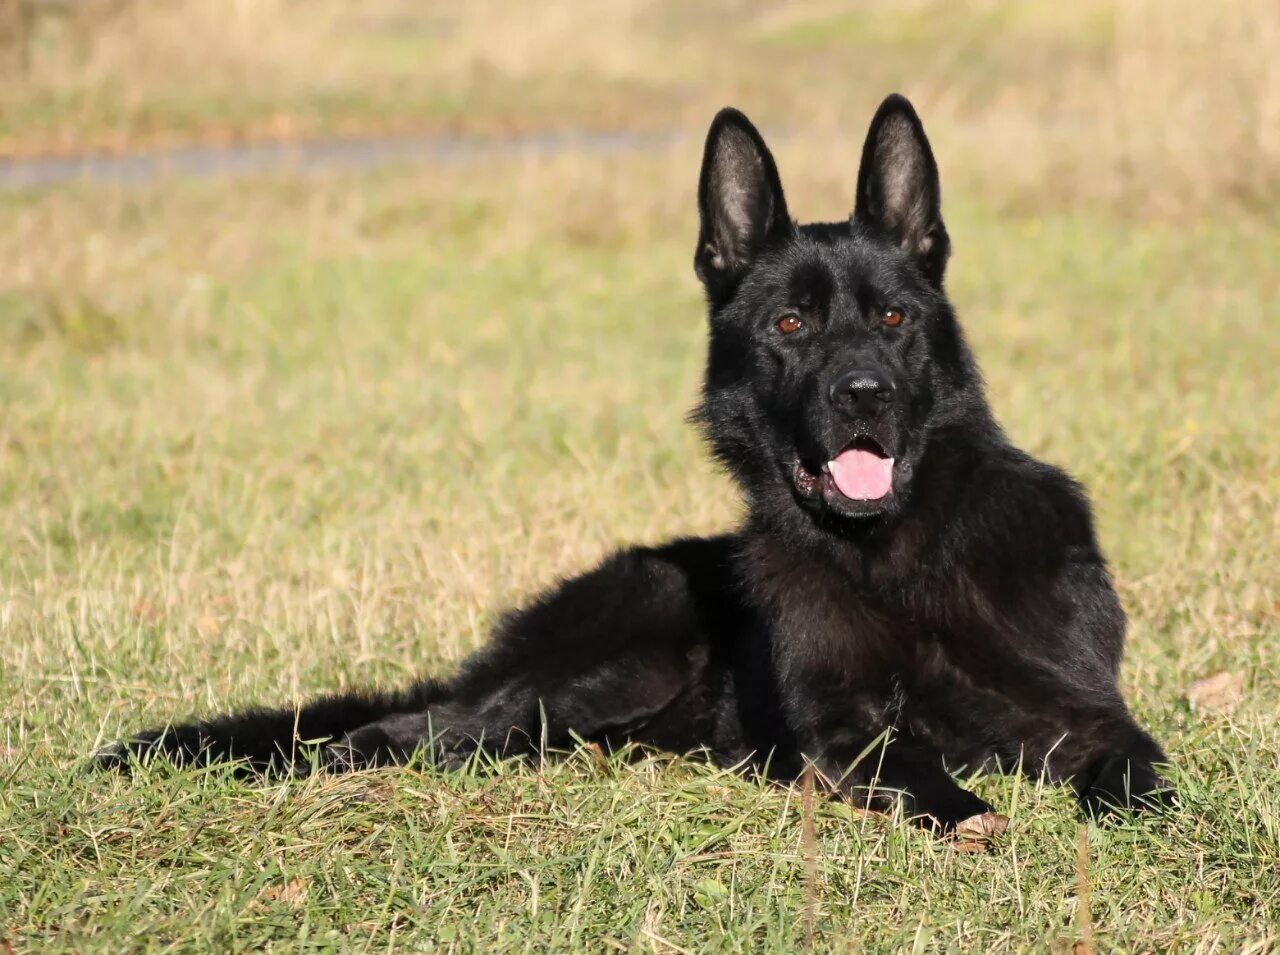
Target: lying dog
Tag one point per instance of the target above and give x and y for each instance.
(909, 594)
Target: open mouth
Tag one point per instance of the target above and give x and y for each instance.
(863, 471)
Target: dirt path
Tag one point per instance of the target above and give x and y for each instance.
(315, 156)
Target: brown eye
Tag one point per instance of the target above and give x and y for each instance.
(788, 324)
(892, 317)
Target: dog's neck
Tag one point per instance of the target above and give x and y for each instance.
(887, 553)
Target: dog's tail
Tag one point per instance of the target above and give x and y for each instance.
(265, 741)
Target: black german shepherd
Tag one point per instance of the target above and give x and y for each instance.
(908, 595)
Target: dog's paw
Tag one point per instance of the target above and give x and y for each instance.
(946, 813)
(365, 748)
(379, 744)
(114, 756)
(120, 755)
(1124, 786)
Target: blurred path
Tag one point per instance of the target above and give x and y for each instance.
(315, 155)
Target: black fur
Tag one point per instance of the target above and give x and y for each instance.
(963, 619)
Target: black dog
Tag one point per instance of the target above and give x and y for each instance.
(909, 594)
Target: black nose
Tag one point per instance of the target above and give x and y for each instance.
(862, 391)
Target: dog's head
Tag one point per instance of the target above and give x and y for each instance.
(834, 353)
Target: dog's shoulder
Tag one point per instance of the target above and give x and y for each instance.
(1019, 512)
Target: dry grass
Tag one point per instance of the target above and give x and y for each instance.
(1163, 106)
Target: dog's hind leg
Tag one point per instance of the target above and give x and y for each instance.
(513, 716)
(599, 657)
(267, 740)
(621, 654)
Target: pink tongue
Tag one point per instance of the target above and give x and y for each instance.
(862, 475)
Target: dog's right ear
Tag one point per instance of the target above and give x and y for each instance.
(741, 208)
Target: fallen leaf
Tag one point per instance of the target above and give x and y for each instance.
(977, 832)
(293, 892)
(1219, 693)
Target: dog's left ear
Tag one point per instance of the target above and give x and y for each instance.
(898, 195)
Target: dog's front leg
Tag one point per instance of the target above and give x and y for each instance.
(884, 770)
(855, 747)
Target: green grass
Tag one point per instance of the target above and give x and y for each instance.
(267, 438)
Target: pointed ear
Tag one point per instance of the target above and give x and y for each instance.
(741, 209)
(898, 192)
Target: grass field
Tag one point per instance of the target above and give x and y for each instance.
(264, 437)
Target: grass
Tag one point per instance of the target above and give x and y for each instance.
(320, 442)
(266, 437)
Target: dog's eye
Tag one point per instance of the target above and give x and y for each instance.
(892, 317)
(788, 324)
